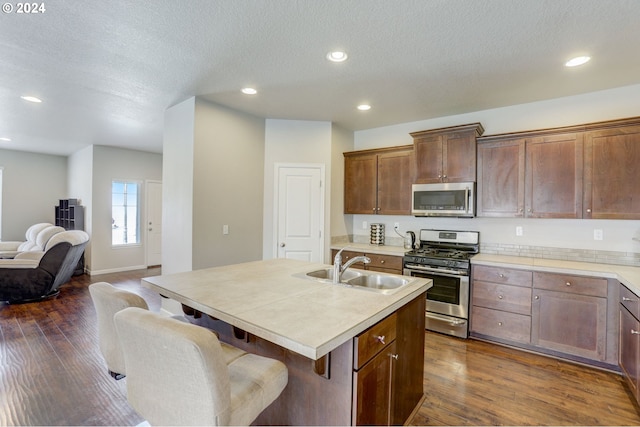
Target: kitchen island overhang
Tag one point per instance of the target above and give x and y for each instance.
(271, 300)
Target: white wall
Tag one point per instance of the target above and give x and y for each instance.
(228, 173)
(565, 233)
(32, 186)
(296, 142)
(110, 164)
(177, 187)
(341, 225)
(80, 186)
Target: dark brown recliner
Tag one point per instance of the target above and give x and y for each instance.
(33, 276)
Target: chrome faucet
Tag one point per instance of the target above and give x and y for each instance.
(339, 269)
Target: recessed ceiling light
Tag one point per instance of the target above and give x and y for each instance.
(249, 91)
(364, 107)
(5, 139)
(578, 60)
(337, 56)
(31, 98)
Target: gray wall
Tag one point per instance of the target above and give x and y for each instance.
(32, 185)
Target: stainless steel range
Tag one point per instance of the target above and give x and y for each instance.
(444, 256)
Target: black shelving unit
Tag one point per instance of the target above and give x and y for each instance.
(70, 216)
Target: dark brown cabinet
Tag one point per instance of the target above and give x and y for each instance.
(378, 181)
(446, 154)
(612, 174)
(569, 314)
(629, 352)
(534, 176)
(382, 263)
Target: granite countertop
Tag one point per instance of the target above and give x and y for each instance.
(371, 249)
(270, 300)
(627, 275)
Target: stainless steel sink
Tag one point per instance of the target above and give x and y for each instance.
(327, 274)
(380, 283)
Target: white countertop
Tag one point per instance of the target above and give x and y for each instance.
(627, 275)
(269, 300)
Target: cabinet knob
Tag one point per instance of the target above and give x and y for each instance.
(589, 210)
(501, 275)
(536, 297)
(444, 176)
(499, 323)
(634, 332)
(568, 283)
(380, 339)
(381, 261)
(500, 297)
(529, 210)
(394, 356)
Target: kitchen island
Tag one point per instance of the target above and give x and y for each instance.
(355, 356)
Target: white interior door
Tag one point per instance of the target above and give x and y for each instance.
(154, 222)
(300, 212)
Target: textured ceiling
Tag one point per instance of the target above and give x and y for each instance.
(107, 70)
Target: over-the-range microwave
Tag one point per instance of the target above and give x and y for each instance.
(456, 199)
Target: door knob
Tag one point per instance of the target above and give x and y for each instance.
(282, 245)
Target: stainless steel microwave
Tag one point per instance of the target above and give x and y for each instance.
(455, 199)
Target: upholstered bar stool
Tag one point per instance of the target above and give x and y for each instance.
(177, 374)
(108, 300)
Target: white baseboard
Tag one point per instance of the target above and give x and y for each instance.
(115, 270)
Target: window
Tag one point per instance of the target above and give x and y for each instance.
(125, 215)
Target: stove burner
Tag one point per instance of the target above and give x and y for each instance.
(440, 253)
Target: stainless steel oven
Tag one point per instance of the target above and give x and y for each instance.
(443, 256)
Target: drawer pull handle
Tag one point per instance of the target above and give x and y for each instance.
(625, 299)
(382, 261)
(501, 275)
(634, 332)
(380, 339)
(568, 283)
(499, 323)
(500, 296)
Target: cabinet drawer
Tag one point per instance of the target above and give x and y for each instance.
(501, 324)
(384, 261)
(515, 299)
(374, 339)
(582, 285)
(507, 276)
(630, 301)
(346, 256)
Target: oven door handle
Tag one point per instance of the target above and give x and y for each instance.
(440, 271)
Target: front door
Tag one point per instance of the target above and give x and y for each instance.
(154, 223)
(300, 212)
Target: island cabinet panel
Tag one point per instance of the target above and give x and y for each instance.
(446, 154)
(629, 357)
(611, 172)
(374, 340)
(569, 315)
(378, 181)
(531, 176)
(374, 389)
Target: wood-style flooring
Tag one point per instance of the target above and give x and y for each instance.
(52, 373)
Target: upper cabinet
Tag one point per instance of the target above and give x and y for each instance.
(612, 173)
(587, 171)
(378, 181)
(446, 154)
(534, 176)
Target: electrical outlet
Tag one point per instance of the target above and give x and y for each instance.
(364, 225)
(519, 231)
(396, 225)
(598, 234)
(225, 229)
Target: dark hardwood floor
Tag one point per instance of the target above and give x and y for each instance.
(52, 373)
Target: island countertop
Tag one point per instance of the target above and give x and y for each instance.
(270, 300)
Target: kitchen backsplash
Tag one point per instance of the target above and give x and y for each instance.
(568, 254)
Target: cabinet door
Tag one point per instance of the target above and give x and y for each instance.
(612, 174)
(459, 157)
(501, 169)
(395, 176)
(570, 323)
(630, 348)
(360, 184)
(374, 389)
(554, 176)
(428, 161)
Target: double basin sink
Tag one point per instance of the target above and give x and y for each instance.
(381, 283)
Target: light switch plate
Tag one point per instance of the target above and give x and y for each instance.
(519, 231)
(598, 234)
(225, 229)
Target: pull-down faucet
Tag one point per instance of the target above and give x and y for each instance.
(339, 269)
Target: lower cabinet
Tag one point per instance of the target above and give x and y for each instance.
(562, 315)
(629, 357)
(382, 263)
